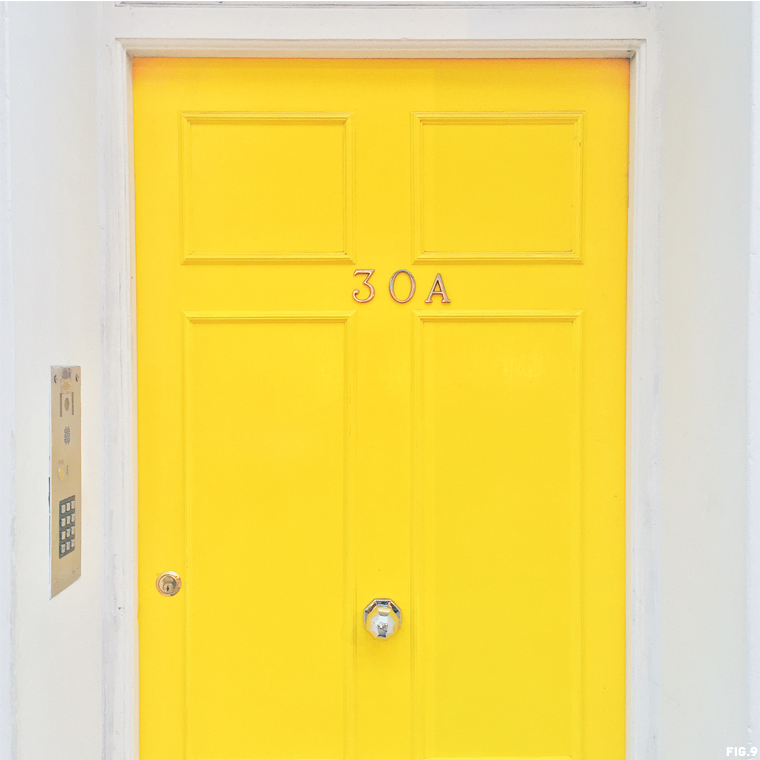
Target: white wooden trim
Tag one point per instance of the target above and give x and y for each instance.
(336, 48)
(388, 30)
(120, 671)
(466, 4)
(753, 406)
(643, 430)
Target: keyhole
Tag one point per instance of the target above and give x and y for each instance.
(168, 584)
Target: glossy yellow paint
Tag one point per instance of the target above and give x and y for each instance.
(301, 453)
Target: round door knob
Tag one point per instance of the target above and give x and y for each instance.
(382, 618)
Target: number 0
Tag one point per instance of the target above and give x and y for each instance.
(412, 286)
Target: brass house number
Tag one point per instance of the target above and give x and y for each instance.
(437, 289)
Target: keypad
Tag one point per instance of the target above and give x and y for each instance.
(67, 512)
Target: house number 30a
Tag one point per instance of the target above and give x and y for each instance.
(437, 289)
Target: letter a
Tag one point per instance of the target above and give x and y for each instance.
(438, 289)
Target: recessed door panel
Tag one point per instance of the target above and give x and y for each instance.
(497, 534)
(267, 406)
(264, 185)
(524, 161)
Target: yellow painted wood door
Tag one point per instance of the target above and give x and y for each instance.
(301, 453)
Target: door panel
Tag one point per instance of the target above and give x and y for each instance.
(496, 550)
(268, 483)
(301, 453)
(258, 186)
(527, 162)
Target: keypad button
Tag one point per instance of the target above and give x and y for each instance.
(67, 520)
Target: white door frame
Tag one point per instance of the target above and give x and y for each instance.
(455, 29)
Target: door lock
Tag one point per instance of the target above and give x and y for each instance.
(168, 583)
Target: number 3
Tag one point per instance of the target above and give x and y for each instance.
(369, 273)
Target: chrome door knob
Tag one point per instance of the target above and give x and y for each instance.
(382, 618)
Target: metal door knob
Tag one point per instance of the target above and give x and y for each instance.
(382, 618)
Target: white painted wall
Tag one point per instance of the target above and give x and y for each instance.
(706, 224)
(49, 176)
(55, 285)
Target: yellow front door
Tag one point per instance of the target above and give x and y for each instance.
(306, 446)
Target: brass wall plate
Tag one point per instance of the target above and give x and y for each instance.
(65, 477)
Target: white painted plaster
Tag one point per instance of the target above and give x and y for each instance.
(7, 406)
(753, 402)
(53, 220)
(706, 225)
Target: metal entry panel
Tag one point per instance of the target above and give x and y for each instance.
(65, 477)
